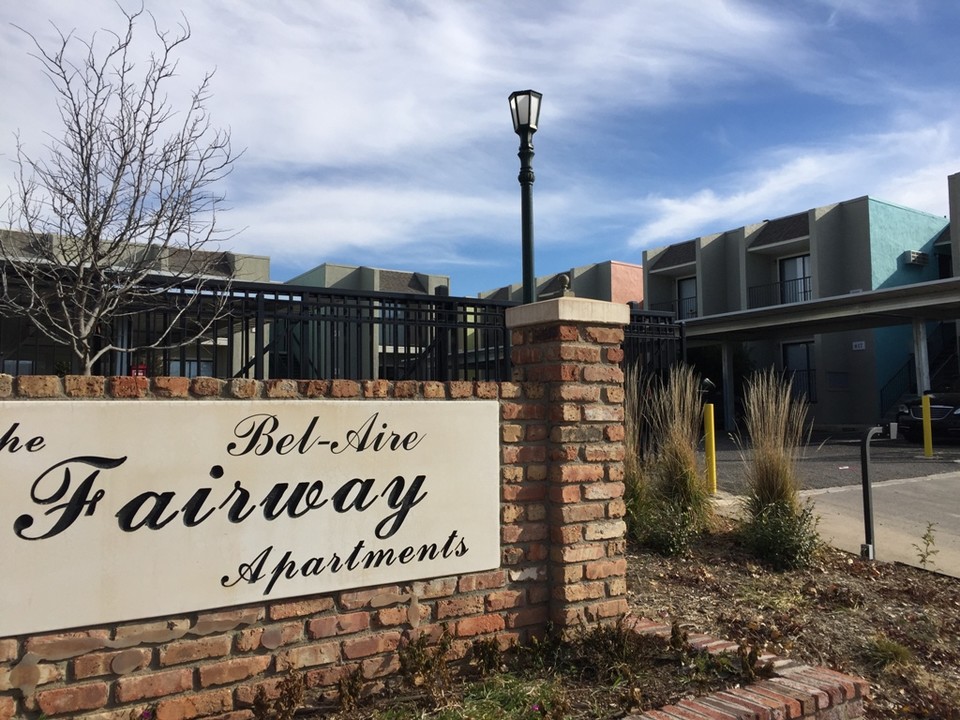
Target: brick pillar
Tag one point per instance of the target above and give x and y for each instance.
(572, 348)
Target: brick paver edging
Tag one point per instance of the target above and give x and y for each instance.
(795, 691)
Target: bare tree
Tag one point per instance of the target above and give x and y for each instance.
(119, 214)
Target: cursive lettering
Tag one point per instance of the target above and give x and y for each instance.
(12, 443)
(359, 558)
(261, 434)
(82, 501)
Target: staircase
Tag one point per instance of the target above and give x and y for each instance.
(944, 371)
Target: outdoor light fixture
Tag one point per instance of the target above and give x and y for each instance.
(525, 109)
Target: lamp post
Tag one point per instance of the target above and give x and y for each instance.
(525, 109)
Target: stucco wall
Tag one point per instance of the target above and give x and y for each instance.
(894, 229)
(626, 282)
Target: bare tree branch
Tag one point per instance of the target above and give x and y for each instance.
(119, 214)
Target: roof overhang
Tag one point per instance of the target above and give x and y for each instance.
(935, 300)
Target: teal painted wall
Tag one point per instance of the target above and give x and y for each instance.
(894, 229)
(894, 345)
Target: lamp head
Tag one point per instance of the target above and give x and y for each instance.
(525, 109)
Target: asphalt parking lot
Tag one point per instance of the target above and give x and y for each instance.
(834, 461)
(909, 492)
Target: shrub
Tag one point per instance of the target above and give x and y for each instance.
(782, 536)
(289, 699)
(776, 426)
(882, 652)
(778, 529)
(426, 666)
(668, 501)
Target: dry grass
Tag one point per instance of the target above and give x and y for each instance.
(674, 411)
(778, 529)
(776, 426)
(668, 501)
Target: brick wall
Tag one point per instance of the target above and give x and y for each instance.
(561, 532)
(576, 440)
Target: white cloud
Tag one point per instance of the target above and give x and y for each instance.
(908, 167)
(379, 130)
(368, 221)
(875, 11)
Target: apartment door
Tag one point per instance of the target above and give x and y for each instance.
(686, 298)
(795, 279)
(798, 365)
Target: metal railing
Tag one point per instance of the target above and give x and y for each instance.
(684, 308)
(653, 341)
(901, 383)
(282, 331)
(266, 330)
(780, 293)
(803, 384)
(942, 361)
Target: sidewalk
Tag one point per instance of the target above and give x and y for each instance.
(901, 509)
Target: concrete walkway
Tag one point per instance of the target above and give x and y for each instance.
(901, 509)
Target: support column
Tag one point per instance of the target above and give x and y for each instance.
(729, 391)
(572, 349)
(920, 355)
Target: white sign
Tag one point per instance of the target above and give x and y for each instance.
(113, 510)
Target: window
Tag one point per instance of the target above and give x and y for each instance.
(191, 368)
(795, 279)
(18, 367)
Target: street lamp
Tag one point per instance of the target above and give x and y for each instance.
(525, 109)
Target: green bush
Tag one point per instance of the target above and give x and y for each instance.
(668, 528)
(782, 535)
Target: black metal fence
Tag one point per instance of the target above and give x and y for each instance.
(268, 330)
(653, 341)
(265, 330)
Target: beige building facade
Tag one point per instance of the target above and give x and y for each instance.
(852, 372)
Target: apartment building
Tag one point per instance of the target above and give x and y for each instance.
(25, 350)
(388, 324)
(609, 280)
(355, 277)
(812, 294)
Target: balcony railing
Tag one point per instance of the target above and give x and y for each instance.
(803, 384)
(684, 308)
(780, 293)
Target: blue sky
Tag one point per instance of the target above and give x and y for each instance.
(377, 132)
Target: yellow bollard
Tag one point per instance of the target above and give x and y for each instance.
(710, 447)
(927, 430)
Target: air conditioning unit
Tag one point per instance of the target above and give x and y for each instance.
(912, 257)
